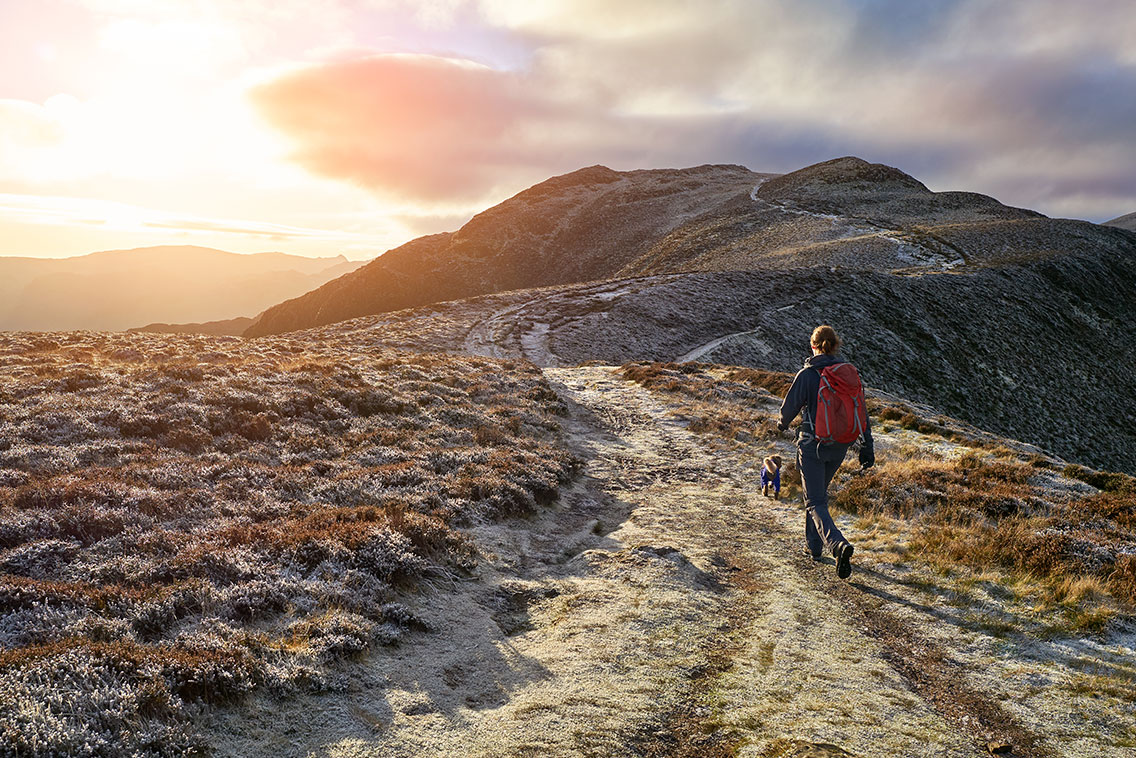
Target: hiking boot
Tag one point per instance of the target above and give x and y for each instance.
(818, 557)
(844, 560)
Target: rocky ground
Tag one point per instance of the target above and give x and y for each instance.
(981, 344)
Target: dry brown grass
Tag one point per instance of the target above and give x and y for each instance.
(197, 508)
(985, 513)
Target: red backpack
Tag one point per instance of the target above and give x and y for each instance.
(841, 415)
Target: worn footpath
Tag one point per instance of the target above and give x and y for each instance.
(662, 607)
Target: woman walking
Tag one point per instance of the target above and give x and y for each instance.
(822, 442)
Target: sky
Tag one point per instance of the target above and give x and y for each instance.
(351, 126)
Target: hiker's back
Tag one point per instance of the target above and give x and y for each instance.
(841, 416)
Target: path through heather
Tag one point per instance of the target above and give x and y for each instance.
(662, 607)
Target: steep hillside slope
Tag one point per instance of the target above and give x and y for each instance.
(581, 226)
(118, 289)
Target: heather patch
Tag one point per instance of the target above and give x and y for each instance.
(185, 519)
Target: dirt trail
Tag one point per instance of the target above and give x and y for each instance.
(522, 329)
(783, 658)
(661, 608)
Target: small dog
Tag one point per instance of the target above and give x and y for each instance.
(771, 476)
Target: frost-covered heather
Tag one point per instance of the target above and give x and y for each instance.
(184, 518)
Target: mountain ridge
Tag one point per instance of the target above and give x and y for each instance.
(597, 223)
(119, 289)
(1126, 222)
(595, 217)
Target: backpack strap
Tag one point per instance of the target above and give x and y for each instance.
(807, 431)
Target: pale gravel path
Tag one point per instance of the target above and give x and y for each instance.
(660, 608)
(799, 670)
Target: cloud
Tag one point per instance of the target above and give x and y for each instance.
(1015, 99)
(422, 126)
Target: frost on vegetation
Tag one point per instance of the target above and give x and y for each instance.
(184, 519)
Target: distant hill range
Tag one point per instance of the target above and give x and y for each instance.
(597, 223)
(1000, 316)
(1127, 221)
(228, 326)
(118, 289)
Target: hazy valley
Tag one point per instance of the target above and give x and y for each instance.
(168, 284)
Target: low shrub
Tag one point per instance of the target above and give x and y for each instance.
(984, 512)
(183, 507)
(1107, 481)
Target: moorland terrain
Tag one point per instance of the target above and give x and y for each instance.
(949, 298)
(528, 521)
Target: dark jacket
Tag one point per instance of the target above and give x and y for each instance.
(803, 396)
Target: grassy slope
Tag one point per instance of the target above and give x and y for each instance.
(186, 519)
(961, 498)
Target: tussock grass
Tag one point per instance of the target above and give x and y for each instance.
(990, 509)
(1076, 553)
(184, 519)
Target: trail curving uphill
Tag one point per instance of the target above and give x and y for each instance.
(521, 329)
(661, 608)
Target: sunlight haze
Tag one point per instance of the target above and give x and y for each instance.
(351, 127)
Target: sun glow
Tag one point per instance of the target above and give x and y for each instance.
(370, 112)
(153, 137)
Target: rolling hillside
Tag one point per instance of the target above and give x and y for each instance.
(119, 289)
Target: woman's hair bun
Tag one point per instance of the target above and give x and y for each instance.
(824, 339)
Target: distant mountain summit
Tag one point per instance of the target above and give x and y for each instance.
(585, 225)
(1127, 221)
(852, 186)
(596, 224)
(849, 172)
(118, 289)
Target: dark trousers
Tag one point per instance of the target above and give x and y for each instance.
(818, 464)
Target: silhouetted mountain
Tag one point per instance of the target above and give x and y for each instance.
(585, 225)
(231, 326)
(596, 224)
(118, 289)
